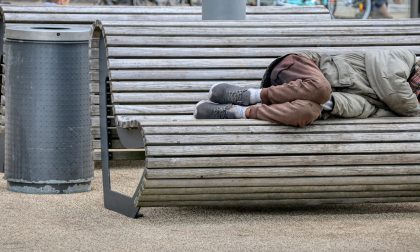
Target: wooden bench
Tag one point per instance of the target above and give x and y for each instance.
(152, 77)
(87, 15)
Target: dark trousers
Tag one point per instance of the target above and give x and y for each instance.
(296, 101)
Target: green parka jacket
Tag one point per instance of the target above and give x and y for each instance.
(372, 83)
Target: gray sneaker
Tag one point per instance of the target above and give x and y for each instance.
(211, 110)
(224, 93)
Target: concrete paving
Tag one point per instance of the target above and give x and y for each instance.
(78, 222)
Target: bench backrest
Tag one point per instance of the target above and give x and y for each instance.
(160, 71)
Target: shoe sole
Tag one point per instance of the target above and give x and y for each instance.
(198, 104)
(211, 90)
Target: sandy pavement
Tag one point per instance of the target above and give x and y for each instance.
(78, 222)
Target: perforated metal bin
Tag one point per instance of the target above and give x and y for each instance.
(48, 139)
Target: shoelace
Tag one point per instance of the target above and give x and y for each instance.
(237, 95)
(221, 111)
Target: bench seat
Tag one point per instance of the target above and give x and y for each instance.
(249, 162)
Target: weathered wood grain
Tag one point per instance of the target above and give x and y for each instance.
(261, 31)
(154, 109)
(280, 189)
(247, 138)
(276, 196)
(187, 74)
(249, 125)
(183, 85)
(271, 172)
(151, 97)
(284, 202)
(276, 161)
(271, 41)
(397, 121)
(250, 51)
(189, 63)
(278, 129)
(293, 181)
(280, 149)
(268, 23)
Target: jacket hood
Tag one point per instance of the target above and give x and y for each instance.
(266, 80)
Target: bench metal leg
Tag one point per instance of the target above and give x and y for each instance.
(112, 200)
(2, 150)
(2, 134)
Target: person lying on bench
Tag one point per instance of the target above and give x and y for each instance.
(296, 88)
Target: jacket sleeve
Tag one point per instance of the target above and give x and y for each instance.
(388, 72)
(351, 106)
(315, 57)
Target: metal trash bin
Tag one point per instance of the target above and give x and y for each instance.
(48, 138)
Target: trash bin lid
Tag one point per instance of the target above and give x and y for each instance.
(48, 33)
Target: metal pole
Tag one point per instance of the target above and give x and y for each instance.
(224, 10)
(414, 10)
(258, 2)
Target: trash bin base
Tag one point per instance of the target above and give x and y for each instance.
(48, 188)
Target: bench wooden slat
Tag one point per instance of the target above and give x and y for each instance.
(188, 120)
(140, 118)
(277, 196)
(399, 121)
(308, 160)
(279, 202)
(342, 137)
(189, 63)
(280, 189)
(251, 51)
(279, 149)
(261, 31)
(271, 172)
(259, 130)
(155, 109)
(293, 181)
(182, 97)
(270, 41)
(269, 23)
(191, 74)
(185, 85)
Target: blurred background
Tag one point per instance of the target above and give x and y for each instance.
(395, 8)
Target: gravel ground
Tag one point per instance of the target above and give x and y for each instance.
(78, 222)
